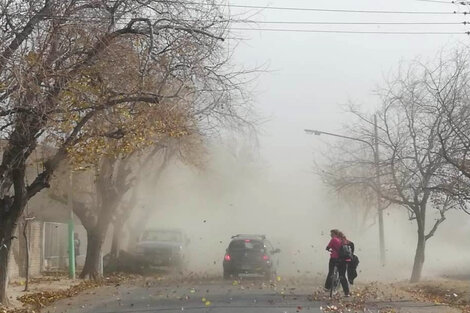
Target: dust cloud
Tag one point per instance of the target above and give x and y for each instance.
(238, 193)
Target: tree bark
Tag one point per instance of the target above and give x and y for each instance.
(12, 210)
(7, 230)
(96, 235)
(420, 252)
(96, 222)
(4, 253)
(117, 234)
(91, 269)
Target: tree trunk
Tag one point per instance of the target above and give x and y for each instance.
(12, 211)
(21, 143)
(117, 234)
(4, 253)
(91, 269)
(7, 229)
(96, 228)
(419, 256)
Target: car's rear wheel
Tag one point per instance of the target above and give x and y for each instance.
(227, 275)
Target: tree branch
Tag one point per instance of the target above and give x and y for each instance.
(436, 225)
(42, 180)
(23, 35)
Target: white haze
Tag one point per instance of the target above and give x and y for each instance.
(311, 76)
(236, 194)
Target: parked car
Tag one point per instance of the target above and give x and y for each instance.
(250, 255)
(163, 247)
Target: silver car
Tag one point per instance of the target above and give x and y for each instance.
(163, 247)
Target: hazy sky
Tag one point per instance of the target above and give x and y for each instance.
(311, 76)
(314, 74)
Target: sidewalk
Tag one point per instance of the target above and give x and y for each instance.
(42, 289)
(45, 290)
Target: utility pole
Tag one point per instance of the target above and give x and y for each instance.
(71, 228)
(27, 219)
(375, 150)
(380, 211)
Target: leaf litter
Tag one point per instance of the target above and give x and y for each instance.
(34, 302)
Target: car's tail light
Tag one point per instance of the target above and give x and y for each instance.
(227, 257)
(266, 257)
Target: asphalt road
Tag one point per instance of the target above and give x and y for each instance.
(198, 296)
(190, 296)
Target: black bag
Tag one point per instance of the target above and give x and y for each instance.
(352, 269)
(345, 252)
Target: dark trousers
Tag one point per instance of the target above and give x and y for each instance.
(342, 274)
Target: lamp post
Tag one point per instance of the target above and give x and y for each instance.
(375, 149)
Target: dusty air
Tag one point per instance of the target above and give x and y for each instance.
(234, 156)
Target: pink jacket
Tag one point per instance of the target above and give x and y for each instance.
(334, 245)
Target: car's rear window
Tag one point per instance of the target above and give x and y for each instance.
(246, 244)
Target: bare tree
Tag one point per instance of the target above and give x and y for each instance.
(413, 171)
(449, 80)
(74, 74)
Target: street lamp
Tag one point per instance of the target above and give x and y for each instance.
(376, 162)
(319, 132)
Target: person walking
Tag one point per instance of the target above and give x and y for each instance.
(338, 240)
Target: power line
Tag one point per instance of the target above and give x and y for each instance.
(324, 10)
(336, 10)
(235, 21)
(340, 31)
(447, 2)
(91, 19)
(437, 1)
(328, 10)
(81, 18)
(354, 23)
(331, 10)
(349, 32)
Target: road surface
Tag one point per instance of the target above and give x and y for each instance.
(217, 295)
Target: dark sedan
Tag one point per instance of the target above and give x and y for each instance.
(250, 255)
